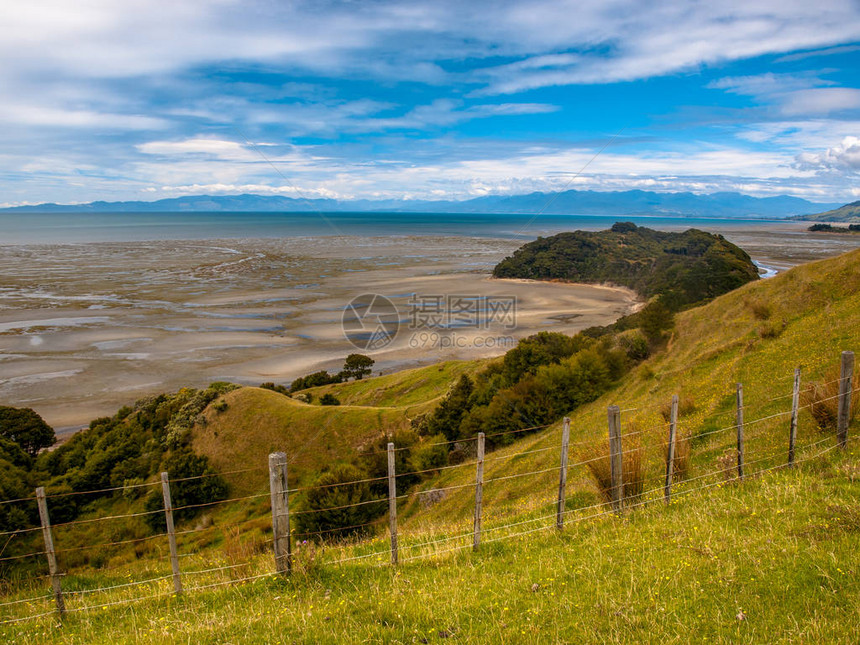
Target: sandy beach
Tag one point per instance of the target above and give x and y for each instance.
(87, 328)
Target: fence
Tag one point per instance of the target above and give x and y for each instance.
(549, 514)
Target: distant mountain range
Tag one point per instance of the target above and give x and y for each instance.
(571, 202)
(848, 213)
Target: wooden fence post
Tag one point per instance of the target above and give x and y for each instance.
(392, 503)
(615, 457)
(562, 474)
(792, 429)
(479, 491)
(845, 396)
(171, 533)
(280, 512)
(49, 550)
(740, 426)
(670, 451)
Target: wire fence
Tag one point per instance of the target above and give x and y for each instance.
(249, 560)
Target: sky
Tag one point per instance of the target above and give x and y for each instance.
(147, 99)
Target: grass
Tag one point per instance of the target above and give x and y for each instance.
(775, 550)
(768, 560)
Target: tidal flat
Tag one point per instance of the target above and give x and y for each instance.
(87, 328)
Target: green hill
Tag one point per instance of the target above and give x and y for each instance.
(685, 268)
(724, 564)
(848, 213)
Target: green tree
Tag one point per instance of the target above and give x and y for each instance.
(447, 417)
(357, 366)
(201, 486)
(26, 428)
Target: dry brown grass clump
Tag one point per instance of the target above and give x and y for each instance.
(633, 470)
(822, 399)
(239, 549)
(681, 462)
(686, 406)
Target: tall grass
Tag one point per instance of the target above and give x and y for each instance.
(633, 470)
(681, 462)
(822, 398)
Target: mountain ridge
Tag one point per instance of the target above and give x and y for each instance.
(570, 202)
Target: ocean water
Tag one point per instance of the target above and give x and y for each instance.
(59, 228)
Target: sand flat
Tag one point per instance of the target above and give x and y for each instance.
(87, 328)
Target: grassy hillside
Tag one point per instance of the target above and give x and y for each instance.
(769, 561)
(258, 421)
(725, 563)
(415, 387)
(848, 213)
(755, 335)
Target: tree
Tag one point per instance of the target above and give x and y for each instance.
(446, 418)
(26, 428)
(357, 366)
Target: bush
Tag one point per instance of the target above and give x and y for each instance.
(428, 457)
(280, 389)
(329, 399)
(205, 486)
(332, 500)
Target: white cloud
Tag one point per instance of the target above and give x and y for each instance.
(821, 101)
(844, 157)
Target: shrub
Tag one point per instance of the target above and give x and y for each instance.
(329, 399)
(201, 486)
(822, 399)
(332, 500)
(427, 457)
(280, 389)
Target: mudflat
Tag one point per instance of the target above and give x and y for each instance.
(87, 328)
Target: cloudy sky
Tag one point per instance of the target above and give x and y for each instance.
(146, 99)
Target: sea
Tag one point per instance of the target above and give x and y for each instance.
(62, 228)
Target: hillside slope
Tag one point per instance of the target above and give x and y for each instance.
(848, 213)
(755, 335)
(257, 421)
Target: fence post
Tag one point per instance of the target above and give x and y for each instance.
(615, 457)
(670, 451)
(280, 512)
(171, 533)
(740, 425)
(792, 430)
(845, 395)
(392, 503)
(562, 474)
(479, 491)
(49, 550)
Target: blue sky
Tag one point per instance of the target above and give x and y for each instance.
(126, 100)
